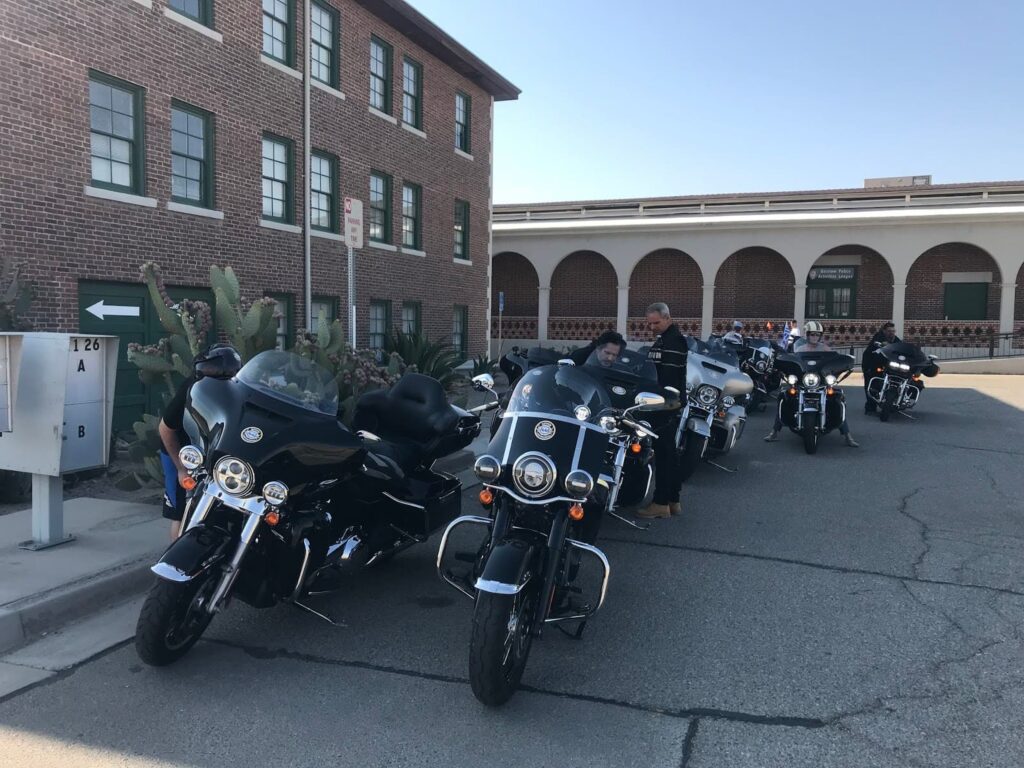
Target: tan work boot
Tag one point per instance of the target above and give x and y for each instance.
(654, 511)
(675, 508)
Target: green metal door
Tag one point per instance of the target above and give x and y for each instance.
(966, 301)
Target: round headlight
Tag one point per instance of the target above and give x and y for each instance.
(579, 483)
(761, 365)
(811, 380)
(582, 412)
(534, 474)
(191, 457)
(830, 379)
(487, 468)
(728, 401)
(707, 395)
(234, 476)
(609, 424)
(275, 493)
(791, 379)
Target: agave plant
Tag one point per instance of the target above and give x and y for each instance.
(418, 353)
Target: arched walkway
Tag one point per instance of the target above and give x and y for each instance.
(671, 276)
(583, 296)
(754, 284)
(514, 275)
(953, 282)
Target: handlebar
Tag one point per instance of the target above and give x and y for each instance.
(638, 428)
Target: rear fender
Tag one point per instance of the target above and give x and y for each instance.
(198, 550)
(508, 568)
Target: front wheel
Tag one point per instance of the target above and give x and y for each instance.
(888, 404)
(690, 456)
(810, 435)
(500, 644)
(173, 618)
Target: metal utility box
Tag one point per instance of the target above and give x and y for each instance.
(10, 363)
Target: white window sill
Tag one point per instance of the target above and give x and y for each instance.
(194, 25)
(194, 210)
(460, 153)
(328, 89)
(280, 67)
(383, 247)
(414, 130)
(145, 3)
(120, 197)
(464, 262)
(293, 228)
(326, 235)
(383, 115)
(414, 252)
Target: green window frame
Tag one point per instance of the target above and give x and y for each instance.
(117, 134)
(325, 46)
(380, 207)
(279, 30)
(412, 317)
(380, 75)
(323, 192)
(460, 329)
(460, 233)
(463, 116)
(379, 325)
(192, 156)
(286, 322)
(965, 301)
(412, 93)
(330, 306)
(412, 215)
(197, 10)
(278, 174)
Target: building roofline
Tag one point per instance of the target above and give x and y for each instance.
(425, 33)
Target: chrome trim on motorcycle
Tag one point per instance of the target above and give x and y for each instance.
(231, 572)
(168, 572)
(604, 581)
(473, 519)
(403, 503)
(579, 449)
(499, 587)
(201, 508)
(302, 571)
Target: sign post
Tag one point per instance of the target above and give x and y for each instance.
(501, 311)
(353, 239)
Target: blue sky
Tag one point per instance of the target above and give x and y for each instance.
(702, 97)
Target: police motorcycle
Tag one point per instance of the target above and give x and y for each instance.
(896, 384)
(285, 499)
(757, 360)
(812, 404)
(715, 412)
(554, 467)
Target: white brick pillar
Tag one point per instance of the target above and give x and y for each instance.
(800, 303)
(622, 312)
(543, 311)
(899, 305)
(1007, 298)
(707, 313)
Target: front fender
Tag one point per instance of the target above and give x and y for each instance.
(197, 550)
(508, 567)
(700, 426)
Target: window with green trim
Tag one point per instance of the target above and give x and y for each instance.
(462, 117)
(284, 315)
(191, 155)
(277, 179)
(380, 75)
(412, 89)
(199, 10)
(380, 207)
(325, 46)
(325, 306)
(460, 330)
(323, 196)
(116, 134)
(277, 29)
(411, 317)
(461, 230)
(412, 217)
(380, 322)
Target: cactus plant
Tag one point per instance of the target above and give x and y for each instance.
(15, 297)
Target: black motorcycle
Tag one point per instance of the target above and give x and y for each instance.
(812, 404)
(757, 360)
(896, 384)
(286, 498)
(554, 467)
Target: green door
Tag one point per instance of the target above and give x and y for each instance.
(830, 300)
(966, 301)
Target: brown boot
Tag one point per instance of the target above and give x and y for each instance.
(654, 511)
(675, 508)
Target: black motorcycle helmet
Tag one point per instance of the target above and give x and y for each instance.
(220, 361)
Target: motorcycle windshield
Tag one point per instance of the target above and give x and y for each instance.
(825, 362)
(559, 390)
(292, 379)
(630, 363)
(904, 352)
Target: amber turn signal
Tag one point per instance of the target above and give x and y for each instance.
(486, 497)
(830, 391)
(879, 370)
(792, 391)
(188, 483)
(273, 517)
(636, 447)
(576, 512)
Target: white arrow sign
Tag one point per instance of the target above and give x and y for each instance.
(103, 311)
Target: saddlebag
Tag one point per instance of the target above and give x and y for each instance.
(426, 501)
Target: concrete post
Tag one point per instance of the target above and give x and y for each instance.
(47, 513)
(899, 304)
(800, 303)
(707, 314)
(1006, 307)
(622, 312)
(543, 311)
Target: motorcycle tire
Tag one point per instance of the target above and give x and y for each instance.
(810, 435)
(886, 406)
(689, 458)
(173, 619)
(756, 400)
(499, 644)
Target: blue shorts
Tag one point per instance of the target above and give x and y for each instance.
(174, 494)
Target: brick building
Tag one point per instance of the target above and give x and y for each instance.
(173, 131)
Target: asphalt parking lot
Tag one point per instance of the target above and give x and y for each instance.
(860, 607)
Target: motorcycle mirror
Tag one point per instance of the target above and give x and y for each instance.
(649, 401)
(933, 357)
(673, 390)
(483, 382)
(566, 361)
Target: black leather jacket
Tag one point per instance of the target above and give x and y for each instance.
(669, 355)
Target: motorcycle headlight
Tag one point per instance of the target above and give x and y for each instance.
(830, 380)
(707, 395)
(487, 468)
(811, 380)
(791, 379)
(191, 457)
(579, 483)
(582, 413)
(234, 476)
(275, 493)
(534, 474)
(904, 367)
(894, 364)
(728, 401)
(761, 366)
(609, 424)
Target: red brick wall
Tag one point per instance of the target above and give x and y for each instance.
(874, 281)
(61, 236)
(514, 274)
(670, 276)
(925, 290)
(584, 285)
(754, 282)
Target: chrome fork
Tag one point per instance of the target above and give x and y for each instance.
(231, 572)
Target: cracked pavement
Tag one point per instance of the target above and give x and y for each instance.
(857, 608)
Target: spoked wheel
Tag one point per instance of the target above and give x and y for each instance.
(810, 435)
(690, 456)
(173, 618)
(500, 643)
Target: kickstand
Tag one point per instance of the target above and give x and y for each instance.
(319, 615)
(629, 522)
(577, 635)
(904, 413)
(723, 468)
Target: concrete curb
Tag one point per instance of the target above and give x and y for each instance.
(28, 619)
